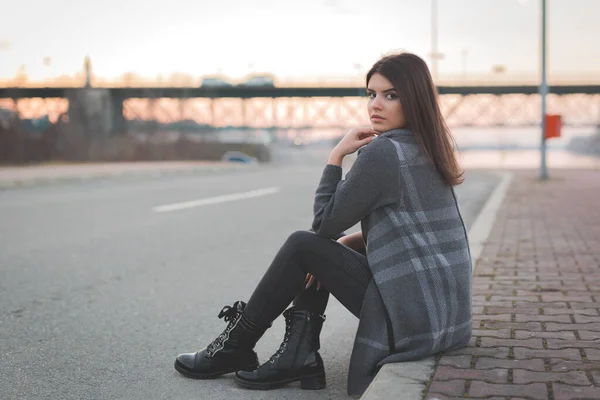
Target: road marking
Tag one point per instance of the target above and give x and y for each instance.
(215, 200)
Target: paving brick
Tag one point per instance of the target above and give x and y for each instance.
(558, 311)
(463, 361)
(563, 344)
(566, 335)
(439, 396)
(596, 376)
(514, 298)
(564, 365)
(551, 326)
(582, 292)
(569, 298)
(592, 354)
(565, 392)
(584, 306)
(449, 388)
(522, 353)
(569, 378)
(497, 333)
(552, 283)
(511, 310)
(497, 375)
(532, 326)
(479, 298)
(538, 304)
(583, 319)
(534, 343)
(477, 310)
(484, 389)
(543, 318)
(508, 291)
(484, 302)
(536, 364)
(498, 352)
(497, 317)
(588, 335)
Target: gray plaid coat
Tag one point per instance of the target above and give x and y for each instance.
(419, 300)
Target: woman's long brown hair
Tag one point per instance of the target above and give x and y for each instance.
(419, 98)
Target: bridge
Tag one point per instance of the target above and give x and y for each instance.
(289, 107)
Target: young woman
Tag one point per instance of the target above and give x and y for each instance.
(406, 275)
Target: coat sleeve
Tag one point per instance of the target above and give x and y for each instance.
(372, 182)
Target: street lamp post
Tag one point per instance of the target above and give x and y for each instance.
(543, 93)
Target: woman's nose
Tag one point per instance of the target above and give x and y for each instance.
(376, 103)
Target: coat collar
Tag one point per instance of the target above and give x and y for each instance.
(395, 133)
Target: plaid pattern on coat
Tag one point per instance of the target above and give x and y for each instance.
(419, 300)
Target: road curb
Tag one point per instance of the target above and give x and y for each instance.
(408, 380)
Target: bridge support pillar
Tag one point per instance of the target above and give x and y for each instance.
(96, 111)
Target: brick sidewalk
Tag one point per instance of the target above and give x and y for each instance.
(536, 298)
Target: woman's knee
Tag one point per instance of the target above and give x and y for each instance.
(300, 239)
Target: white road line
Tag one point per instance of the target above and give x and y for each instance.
(215, 200)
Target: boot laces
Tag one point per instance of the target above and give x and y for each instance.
(286, 337)
(231, 315)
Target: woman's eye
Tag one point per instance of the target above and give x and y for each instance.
(371, 95)
(391, 96)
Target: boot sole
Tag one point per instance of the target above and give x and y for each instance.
(194, 375)
(307, 382)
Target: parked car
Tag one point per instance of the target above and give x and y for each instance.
(215, 82)
(259, 80)
(239, 157)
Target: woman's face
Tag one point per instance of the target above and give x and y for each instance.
(385, 110)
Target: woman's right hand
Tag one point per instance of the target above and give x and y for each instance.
(309, 280)
(354, 140)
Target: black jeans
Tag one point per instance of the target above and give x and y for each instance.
(341, 271)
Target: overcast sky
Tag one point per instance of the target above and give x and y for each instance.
(290, 38)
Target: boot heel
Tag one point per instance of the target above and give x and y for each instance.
(313, 382)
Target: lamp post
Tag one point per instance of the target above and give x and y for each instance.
(543, 93)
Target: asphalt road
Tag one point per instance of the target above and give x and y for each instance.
(99, 292)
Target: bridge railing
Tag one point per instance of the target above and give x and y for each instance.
(263, 107)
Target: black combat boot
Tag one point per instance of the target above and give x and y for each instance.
(297, 358)
(231, 351)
